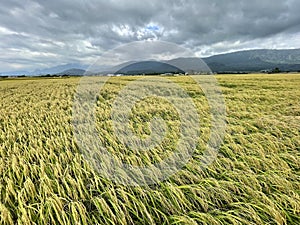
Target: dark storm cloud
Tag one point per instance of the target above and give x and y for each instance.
(35, 33)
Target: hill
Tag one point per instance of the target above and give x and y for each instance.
(73, 72)
(59, 69)
(148, 67)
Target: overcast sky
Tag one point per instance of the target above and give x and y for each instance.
(38, 34)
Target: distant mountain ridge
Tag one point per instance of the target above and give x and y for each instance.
(59, 69)
(240, 61)
(283, 56)
(51, 70)
(149, 67)
(255, 60)
(73, 72)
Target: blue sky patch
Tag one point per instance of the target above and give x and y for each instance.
(152, 27)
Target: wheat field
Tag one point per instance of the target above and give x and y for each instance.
(255, 179)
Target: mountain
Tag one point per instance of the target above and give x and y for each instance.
(255, 60)
(241, 61)
(148, 67)
(189, 65)
(58, 69)
(178, 65)
(15, 73)
(51, 70)
(72, 72)
(112, 70)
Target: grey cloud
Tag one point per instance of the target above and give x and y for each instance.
(35, 33)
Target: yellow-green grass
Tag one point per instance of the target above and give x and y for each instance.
(255, 179)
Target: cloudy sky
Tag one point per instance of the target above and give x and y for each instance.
(39, 34)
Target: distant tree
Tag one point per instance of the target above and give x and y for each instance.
(276, 70)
